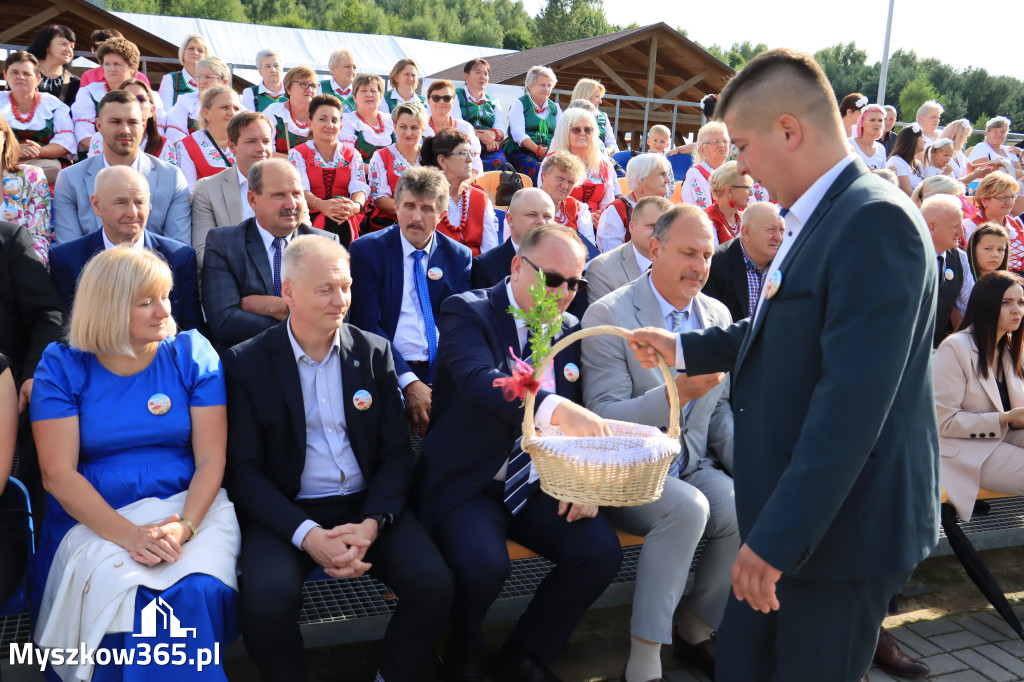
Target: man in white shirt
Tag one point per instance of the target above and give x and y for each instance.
(242, 268)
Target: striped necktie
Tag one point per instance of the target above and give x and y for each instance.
(517, 474)
(428, 312)
(679, 318)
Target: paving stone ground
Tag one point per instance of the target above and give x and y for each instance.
(978, 647)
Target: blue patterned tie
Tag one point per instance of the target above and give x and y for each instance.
(679, 318)
(279, 245)
(428, 312)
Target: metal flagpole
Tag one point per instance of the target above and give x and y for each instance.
(885, 57)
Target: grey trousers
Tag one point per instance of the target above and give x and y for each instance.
(700, 505)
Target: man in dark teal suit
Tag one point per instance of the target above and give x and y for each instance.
(836, 448)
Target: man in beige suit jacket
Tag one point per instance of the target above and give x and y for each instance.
(220, 199)
(626, 262)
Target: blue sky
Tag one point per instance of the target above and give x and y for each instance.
(959, 33)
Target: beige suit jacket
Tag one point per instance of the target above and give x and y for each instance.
(217, 202)
(968, 409)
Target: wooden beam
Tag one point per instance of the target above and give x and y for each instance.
(615, 77)
(652, 65)
(30, 23)
(686, 85)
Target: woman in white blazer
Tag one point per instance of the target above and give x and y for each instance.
(979, 395)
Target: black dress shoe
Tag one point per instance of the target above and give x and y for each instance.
(893, 660)
(515, 664)
(700, 656)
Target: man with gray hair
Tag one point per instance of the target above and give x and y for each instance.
(697, 500)
(945, 219)
(319, 478)
(739, 266)
(242, 267)
(401, 276)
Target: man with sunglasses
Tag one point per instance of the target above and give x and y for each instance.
(476, 487)
(697, 501)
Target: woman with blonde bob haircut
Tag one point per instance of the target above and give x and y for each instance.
(731, 191)
(592, 91)
(131, 427)
(994, 198)
(713, 147)
(193, 48)
(576, 133)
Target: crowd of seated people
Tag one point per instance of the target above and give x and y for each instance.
(184, 267)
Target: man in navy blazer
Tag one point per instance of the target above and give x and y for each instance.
(528, 208)
(401, 275)
(119, 120)
(475, 488)
(319, 465)
(241, 283)
(121, 201)
(836, 441)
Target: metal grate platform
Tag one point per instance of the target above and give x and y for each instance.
(1001, 527)
(12, 629)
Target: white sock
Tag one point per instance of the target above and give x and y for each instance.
(692, 629)
(644, 661)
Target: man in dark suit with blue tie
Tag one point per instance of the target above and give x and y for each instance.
(242, 264)
(475, 488)
(319, 465)
(836, 445)
(400, 277)
(121, 201)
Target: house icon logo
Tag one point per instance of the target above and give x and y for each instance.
(159, 614)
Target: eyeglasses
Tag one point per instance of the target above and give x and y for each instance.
(1005, 200)
(308, 87)
(717, 143)
(206, 77)
(581, 131)
(553, 281)
(465, 154)
(747, 188)
(442, 98)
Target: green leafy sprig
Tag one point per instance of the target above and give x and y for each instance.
(543, 320)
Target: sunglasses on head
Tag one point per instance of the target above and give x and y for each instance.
(553, 281)
(442, 98)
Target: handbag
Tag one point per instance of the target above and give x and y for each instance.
(509, 182)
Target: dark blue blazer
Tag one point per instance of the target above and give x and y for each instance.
(378, 277)
(837, 458)
(235, 265)
(267, 427)
(472, 427)
(68, 259)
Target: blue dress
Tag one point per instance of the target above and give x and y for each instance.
(127, 454)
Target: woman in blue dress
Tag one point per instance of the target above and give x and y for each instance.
(130, 424)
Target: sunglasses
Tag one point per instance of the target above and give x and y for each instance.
(553, 281)
(442, 98)
(581, 131)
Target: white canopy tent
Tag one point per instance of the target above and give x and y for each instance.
(238, 44)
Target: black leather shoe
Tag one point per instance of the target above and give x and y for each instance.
(893, 660)
(515, 664)
(700, 656)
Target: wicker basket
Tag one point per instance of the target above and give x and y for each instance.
(625, 469)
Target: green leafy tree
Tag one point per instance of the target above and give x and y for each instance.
(916, 93)
(565, 20)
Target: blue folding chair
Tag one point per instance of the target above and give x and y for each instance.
(501, 223)
(680, 164)
(18, 601)
(622, 158)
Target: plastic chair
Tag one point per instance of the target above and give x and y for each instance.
(18, 601)
(623, 187)
(488, 182)
(500, 214)
(677, 194)
(622, 158)
(680, 164)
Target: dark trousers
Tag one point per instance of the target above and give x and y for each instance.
(14, 540)
(403, 556)
(472, 537)
(822, 631)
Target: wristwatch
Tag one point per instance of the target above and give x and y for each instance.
(383, 521)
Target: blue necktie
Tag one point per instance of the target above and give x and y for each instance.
(517, 474)
(428, 313)
(783, 212)
(279, 245)
(679, 318)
